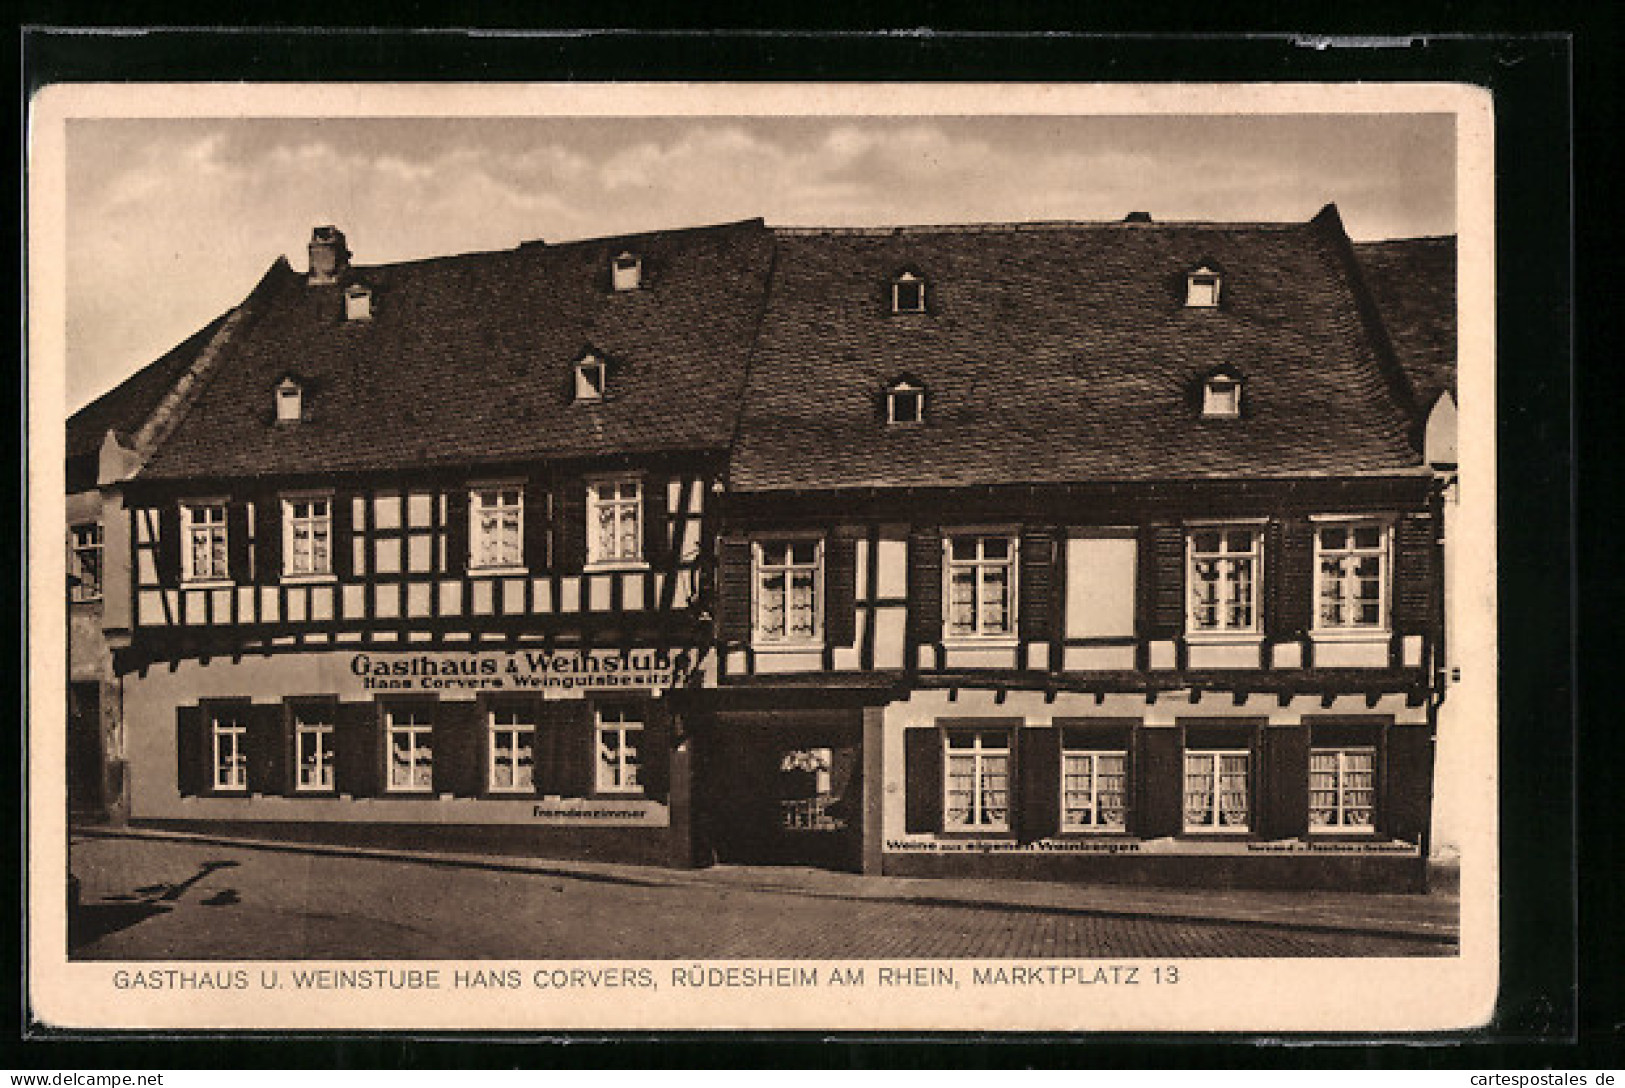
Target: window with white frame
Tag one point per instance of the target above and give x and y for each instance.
(1351, 561)
(409, 749)
(313, 748)
(615, 521)
(977, 780)
(1342, 788)
(204, 555)
(512, 764)
(789, 588)
(980, 572)
(1202, 288)
(1221, 396)
(496, 531)
(620, 749)
(908, 293)
(1094, 787)
(229, 750)
(307, 536)
(85, 560)
(905, 402)
(592, 378)
(290, 402)
(1223, 573)
(1217, 793)
(626, 272)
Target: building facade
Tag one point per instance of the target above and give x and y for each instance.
(1064, 551)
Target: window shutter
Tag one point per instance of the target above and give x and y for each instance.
(655, 549)
(267, 748)
(925, 587)
(237, 541)
(538, 526)
(655, 768)
(1036, 582)
(358, 756)
(1413, 574)
(1038, 796)
(268, 538)
(169, 544)
(572, 540)
(456, 530)
(342, 548)
(1159, 768)
(922, 780)
(840, 596)
(570, 747)
(1293, 576)
(461, 738)
(1167, 572)
(1402, 799)
(190, 760)
(733, 591)
(1286, 782)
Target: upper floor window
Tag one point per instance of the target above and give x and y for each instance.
(592, 378)
(908, 293)
(977, 780)
(1221, 394)
(1223, 572)
(307, 536)
(1351, 580)
(85, 561)
(626, 272)
(496, 528)
(789, 585)
(980, 572)
(290, 401)
(905, 402)
(204, 554)
(615, 521)
(357, 302)
(1202, 288)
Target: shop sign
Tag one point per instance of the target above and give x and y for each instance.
(553, 672)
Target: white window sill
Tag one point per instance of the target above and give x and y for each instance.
(620, 792)
(1224, 638)
(788, 647)
(1218, 830)
(1369, 635)
(1334, 830)
(615, 566)
(497, 572)
(510, 791)
(309, 579)
(981, 642)
(207, 583)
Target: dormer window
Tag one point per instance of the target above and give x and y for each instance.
(290, 401)
(905, 402)
(357, 302)
(1221, 395)
(1202, 288)
(908, 293)
(592, 377)
(626, 272)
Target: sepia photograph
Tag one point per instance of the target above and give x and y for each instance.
(665, 543)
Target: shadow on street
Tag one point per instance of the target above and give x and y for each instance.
(90, 922)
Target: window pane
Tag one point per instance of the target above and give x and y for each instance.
(1368, 536)
(1205, 541)
(963, 547)
(1333, 538)
(996, 547)
(1239, 540)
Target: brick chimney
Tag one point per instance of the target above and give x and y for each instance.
(329, 257)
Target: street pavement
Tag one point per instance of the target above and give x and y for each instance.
(147, 895)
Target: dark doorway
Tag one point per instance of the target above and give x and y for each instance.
(85, 794)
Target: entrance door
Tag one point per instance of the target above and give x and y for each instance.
(84, 748)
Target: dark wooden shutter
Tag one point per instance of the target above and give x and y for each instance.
(189, 751)
(1294, 577)
(840, 598)
(268, 538)
(456, 530)
(1158, 765)
(169, 544)
(655, 547)
(922, 780)
(538, 526)
(733, 591)
(268, 757)
(1407, 784)
(1038, 794)
(1286, 782)
(1413, 574)
(1167, 573)
(343, 530)
(655, 755)
(237, 541)
(460, 748)
(925, 587)
(570, 746)
(358, 757)
(1036, 585)
(572, 525)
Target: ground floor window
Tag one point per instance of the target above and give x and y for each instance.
(977, 788)
(1093, 789)
(513, 744)
(620, 748)
(313, 749)
(410, 751)
(229, 751)
(1342, 788)
(1216, 790)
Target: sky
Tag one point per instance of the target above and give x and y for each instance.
(170, 222)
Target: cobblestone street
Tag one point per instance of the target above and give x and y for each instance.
(149, 898)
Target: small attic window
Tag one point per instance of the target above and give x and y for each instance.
(592, 378)
(626, 272)
(908, 293)
(1202, 288)
(905, 402)
(290, 401)
(1221, 395)
(357, 302)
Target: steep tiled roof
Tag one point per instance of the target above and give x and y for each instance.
(126, 406)
(1413, 282)
(470, 359)
(1063, 353)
